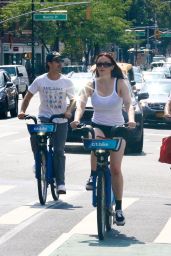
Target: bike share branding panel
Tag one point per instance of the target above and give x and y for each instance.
(45, 128)
(111, 144)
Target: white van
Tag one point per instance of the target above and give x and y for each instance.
(19, 77)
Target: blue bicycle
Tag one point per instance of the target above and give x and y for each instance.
(44, 169)
(102, 195)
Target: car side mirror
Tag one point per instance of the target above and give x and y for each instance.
(143, 96)
(9, 84)
(20, 74)
(133, 83)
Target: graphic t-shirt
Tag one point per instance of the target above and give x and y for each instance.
(53, 95)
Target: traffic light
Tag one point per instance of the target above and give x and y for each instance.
(157, 34)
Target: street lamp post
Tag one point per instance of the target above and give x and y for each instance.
(32, 41)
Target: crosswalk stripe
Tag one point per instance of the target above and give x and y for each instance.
(85, 226)
(8, 134)
(165, 234)
(22, 213)
(5, 188)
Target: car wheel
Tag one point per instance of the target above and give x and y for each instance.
(4, 114)
(14, 112)
(138, 147)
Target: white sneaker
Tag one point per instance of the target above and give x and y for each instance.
(61, 189)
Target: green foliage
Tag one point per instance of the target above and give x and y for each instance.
(106, 26)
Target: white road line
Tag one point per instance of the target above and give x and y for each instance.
(85, 226)
(8, 134)
(5, 188)
(157, 134)
(63, 199)
(165, 234)
(22, 213)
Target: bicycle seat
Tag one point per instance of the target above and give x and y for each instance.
(41, 128)
(107, 144)
(119, 131)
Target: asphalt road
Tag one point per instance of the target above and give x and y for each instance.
(68, 227)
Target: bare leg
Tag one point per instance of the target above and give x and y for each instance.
(116, 173)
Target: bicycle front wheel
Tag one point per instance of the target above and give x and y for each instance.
(42, 184)
(101, 205)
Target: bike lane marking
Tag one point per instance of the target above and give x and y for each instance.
(5, 188)
(24, 212)
(86, 226)
(165, 234)
(26, 219)
(8, 134)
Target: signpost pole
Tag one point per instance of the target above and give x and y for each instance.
(32, 42)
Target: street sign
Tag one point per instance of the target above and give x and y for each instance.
(30, 43)
(48, 17)
(140, 33)
(165, 35)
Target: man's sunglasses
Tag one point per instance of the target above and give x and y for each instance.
(57, 60)
(104, 64)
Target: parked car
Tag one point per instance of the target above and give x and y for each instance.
(8, 96)
(72, 68)
(139, 80)
(157, 93)
(135, 140)
(149, 75)
(19, 77)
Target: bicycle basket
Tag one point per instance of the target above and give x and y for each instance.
(41, 128)
(109, 144)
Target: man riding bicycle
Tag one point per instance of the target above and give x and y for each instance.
(54, 89)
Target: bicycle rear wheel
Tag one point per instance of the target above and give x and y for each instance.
(42, 184)
(101, 205)
(54, 191)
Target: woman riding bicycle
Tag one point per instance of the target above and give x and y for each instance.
(108, 93)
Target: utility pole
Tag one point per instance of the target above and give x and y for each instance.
(32, 41)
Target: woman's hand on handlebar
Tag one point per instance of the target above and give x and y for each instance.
(74, 124)
(21, 115)
(132, 124)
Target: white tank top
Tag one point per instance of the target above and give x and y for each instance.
(108, 109)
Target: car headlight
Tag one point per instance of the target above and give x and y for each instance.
(143, 103)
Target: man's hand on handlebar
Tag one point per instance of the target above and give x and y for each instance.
(21, 115)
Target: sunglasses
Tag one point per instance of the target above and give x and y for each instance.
(104, 64)
(57, 60)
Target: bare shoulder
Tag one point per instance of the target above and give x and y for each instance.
(122, 84)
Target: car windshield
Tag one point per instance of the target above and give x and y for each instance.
(80, 80)
(138, 77)
(153, 75)
(10, 70)
(159, 87)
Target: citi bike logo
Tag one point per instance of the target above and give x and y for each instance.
(99, 144)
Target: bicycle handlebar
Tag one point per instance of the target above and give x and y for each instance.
(116, 131)
(50, 119)
(85, 128)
